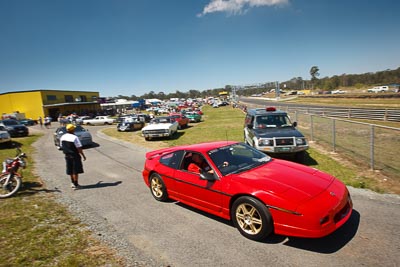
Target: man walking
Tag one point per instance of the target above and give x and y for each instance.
(72, 148)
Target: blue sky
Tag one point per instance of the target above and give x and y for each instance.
(131, 47)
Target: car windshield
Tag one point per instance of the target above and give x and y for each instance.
(237, 158)
(271, 121)
(10, 122)
(161, 120)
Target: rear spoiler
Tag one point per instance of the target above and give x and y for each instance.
(157, 153)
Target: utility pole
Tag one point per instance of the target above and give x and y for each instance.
(277, 89)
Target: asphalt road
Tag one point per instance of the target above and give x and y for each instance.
(119, 208)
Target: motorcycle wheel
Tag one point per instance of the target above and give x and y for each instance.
(9, 189)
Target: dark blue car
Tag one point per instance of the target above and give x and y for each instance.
(15, 128)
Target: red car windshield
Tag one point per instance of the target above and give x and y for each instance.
(237, 158)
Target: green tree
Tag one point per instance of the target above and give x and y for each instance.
(314, 72)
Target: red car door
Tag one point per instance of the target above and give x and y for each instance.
(191, 188)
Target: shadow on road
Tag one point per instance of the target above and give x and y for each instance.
(30, 188)
(100, 184)
(325, 245)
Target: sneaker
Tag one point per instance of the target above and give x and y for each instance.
(75, 186)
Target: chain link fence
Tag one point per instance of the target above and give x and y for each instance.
(373, 146)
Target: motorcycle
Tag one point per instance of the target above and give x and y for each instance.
(10, 178)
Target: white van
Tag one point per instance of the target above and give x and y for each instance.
(379, 89)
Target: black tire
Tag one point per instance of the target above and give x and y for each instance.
(157, 187)
(252, 218)
(12, 187)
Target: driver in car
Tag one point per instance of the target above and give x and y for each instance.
(199, 165)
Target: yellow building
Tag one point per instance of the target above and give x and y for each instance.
(42, 103)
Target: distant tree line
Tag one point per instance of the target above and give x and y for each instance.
(365, 80)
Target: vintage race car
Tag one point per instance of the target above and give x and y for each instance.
(259, 194)
(160, 127)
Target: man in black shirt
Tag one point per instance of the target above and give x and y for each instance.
(72, 148)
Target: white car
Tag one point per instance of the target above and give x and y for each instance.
(160, 127)
(379, 89)
(99, 120)
(5, 137)
(335, 92)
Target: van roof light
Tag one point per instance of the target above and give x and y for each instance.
(270, 109)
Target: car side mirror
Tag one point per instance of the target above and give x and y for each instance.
(294, 124)
(207, 176)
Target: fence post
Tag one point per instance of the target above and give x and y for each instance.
(312, 127)
(372, 146)
(334, 134)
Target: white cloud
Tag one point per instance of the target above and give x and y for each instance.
(238, 6)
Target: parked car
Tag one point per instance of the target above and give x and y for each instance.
(130, 123)
(160, 127)
(261, 195)
(98, 120)
(193, 116)
(271, 131)
(144, 116)
(83, 134)
(28, 122)
(15, 128)
(5, 137)
(379, 89)
(80, 119)
(338, 91)
(182, 120)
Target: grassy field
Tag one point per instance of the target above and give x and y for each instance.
(37, 231)
(226, 123)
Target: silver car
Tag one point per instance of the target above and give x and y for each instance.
(83, 134)
(5, 137)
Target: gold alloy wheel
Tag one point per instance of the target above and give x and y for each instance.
(157, 187)
(249, 219)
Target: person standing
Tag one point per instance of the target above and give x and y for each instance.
(72, 148)
(40, 120)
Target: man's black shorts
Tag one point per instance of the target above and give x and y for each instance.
(74, 164)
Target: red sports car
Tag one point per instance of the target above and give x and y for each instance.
(259, 194)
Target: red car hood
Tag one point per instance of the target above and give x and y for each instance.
(288, 180)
